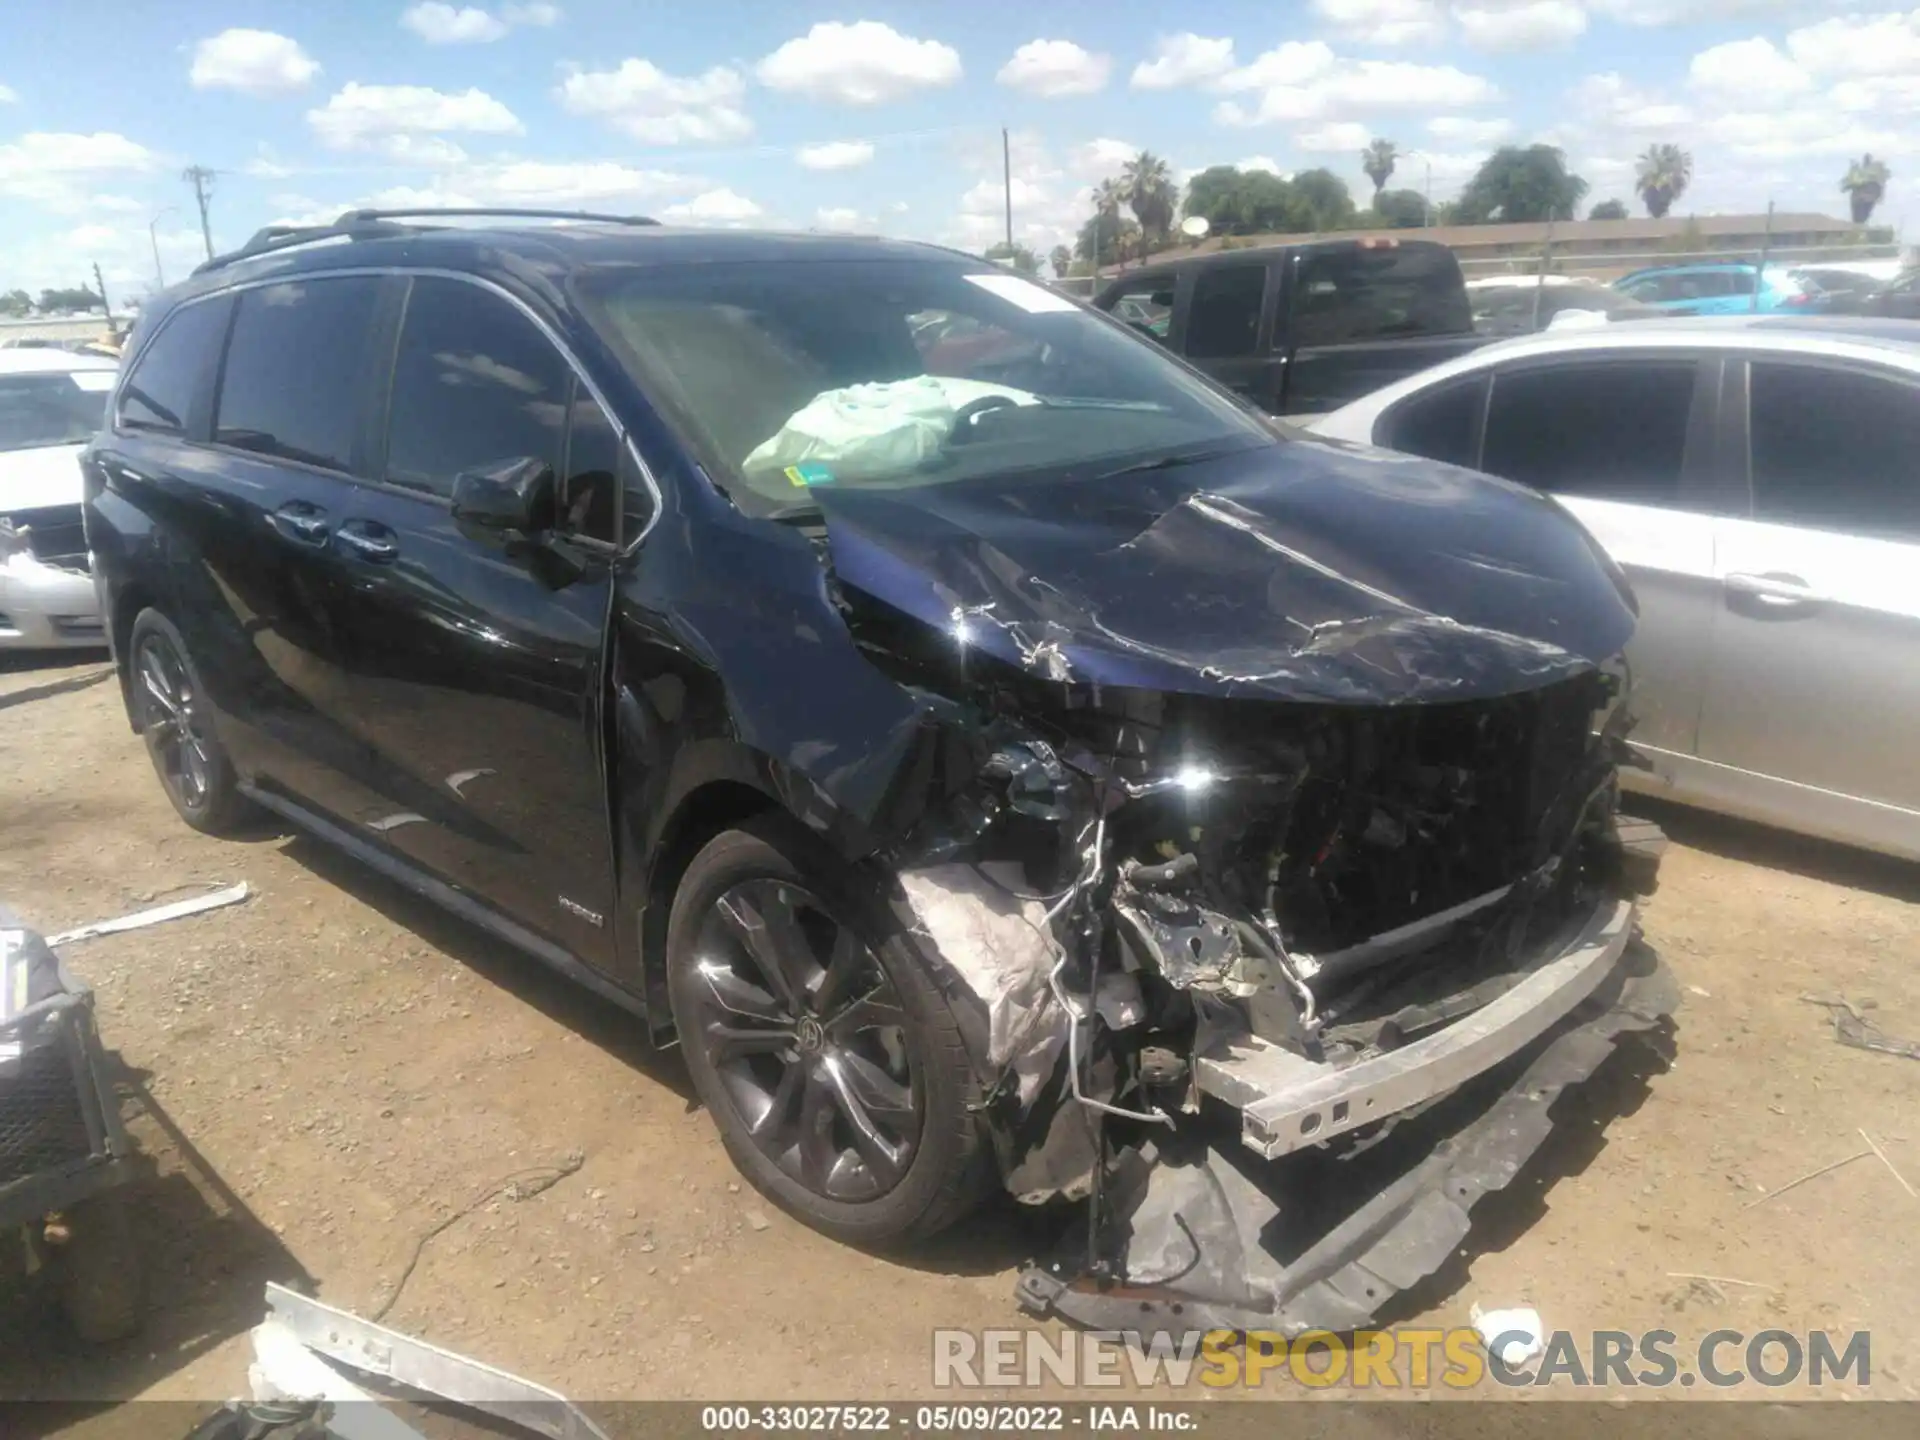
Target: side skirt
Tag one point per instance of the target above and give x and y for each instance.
(448, 898)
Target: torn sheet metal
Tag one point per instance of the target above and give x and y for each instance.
(1331, 577)
(1204, 1236)
(159, 914)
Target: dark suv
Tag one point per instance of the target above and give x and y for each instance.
(995, 751)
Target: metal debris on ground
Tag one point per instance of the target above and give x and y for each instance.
(1850, 1027)
(318, 1371)
(140, 919)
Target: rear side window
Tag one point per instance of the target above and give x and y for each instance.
(1223, 321)
(158, 395)
(1441, 423)
(1613, 431)
(475, 385)
(296, 371)
(1835, 450)
(1352, 293)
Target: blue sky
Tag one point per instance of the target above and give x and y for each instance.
(887, 116)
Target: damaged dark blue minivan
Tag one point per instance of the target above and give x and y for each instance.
(997, 754)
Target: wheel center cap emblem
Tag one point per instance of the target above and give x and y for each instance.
(809, 1035)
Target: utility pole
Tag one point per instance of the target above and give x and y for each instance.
(1760, 270)
(201, 178)
(100, 289)
(1006, 181)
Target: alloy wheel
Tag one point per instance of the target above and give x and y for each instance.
(173, 722)
(809, 1040)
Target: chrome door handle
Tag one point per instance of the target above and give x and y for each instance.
(1776, 589)
(367, 540)
(302, 522)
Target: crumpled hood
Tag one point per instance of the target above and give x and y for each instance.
(1307, 571)
(45, 475)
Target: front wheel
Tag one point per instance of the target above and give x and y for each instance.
(827, 1059)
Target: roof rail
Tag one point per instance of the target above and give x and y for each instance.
(384, 224)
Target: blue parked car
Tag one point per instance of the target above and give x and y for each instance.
(1721, 289)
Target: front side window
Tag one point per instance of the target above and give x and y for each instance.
(788, 375)
(63, 407)
(296, 370)
(1612, 430)
(1146, 304)
(475, 386)
(158, 395)
(1835, 449)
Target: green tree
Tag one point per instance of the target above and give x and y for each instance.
(1151, 196)
(1608, 210)
(79, 298)
(1865, 184)
(1105, 238)
(1401, 209)
(1061, 259)
(1328, 202)
(1661, 177)
(1017, 256)
(16, 303)
(1517, 184)
(1377, 160)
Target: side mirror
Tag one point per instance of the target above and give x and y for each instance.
(514, 496)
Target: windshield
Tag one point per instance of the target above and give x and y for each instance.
(789, 375)
(63, 408)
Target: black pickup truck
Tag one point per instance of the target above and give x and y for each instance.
(1303, 329)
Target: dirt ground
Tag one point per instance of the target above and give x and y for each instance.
(322, 1075)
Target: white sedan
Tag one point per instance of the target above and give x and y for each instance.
(1758, 478)
(51, 402)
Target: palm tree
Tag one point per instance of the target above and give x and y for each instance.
(1377, 160)
(1662, 177)
(1866, 186)
(1151, 195)
(1109, 197)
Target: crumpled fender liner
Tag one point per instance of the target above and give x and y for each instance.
(1195, 1238)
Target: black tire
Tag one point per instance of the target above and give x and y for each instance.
(177, 725)
(872, 1036)
(102, 1280)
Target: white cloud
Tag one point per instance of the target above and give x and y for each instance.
(254, 62)
(1385, 22)
(1306, 82)
(1097, 159)
(835, 155)
(645, 102)
(865, 63)
(426, 151)
(1683, 12)
(1263, 162)
(1859, 45)
(9, 95)
(47, 167)
(600, 185)
(1508, 25)
(713, 207)
(440, 24)
(371, 117)
(1466, 131)
(1798, 132)
(1610, 101)
(539, 14)
(1055, 69)
(1184, 59)
(1335, 135)
(1742, 69)
(841, 218)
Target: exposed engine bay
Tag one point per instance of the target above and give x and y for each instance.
(1326, 927)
